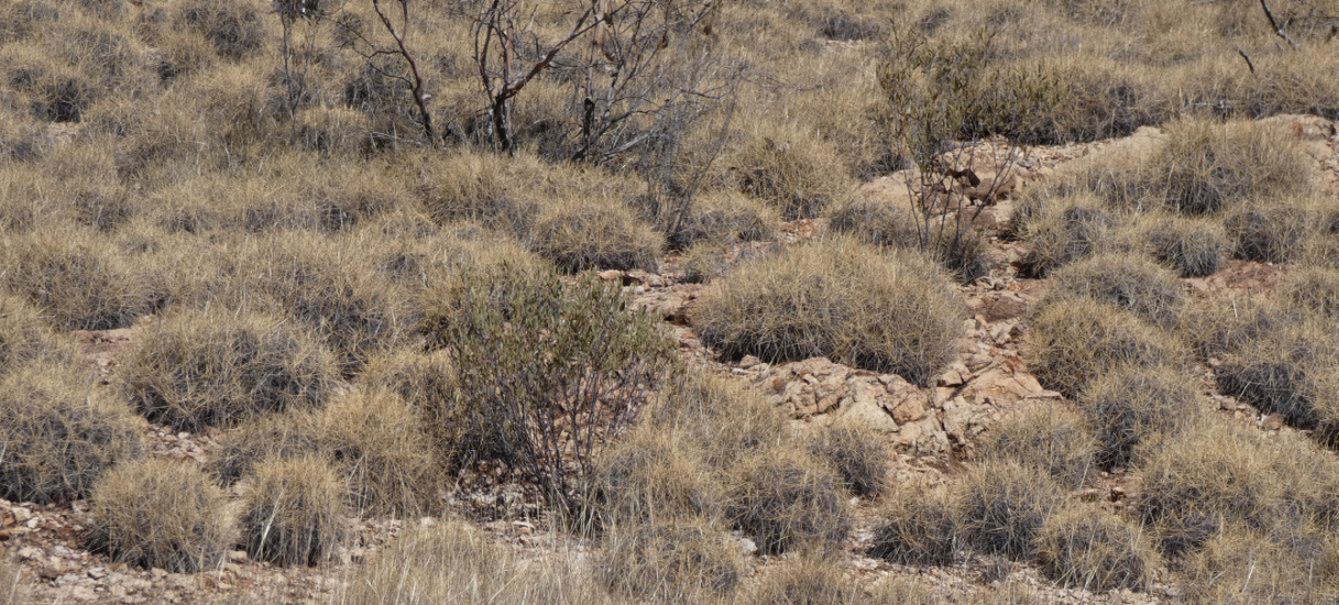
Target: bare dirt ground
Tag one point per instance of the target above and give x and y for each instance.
(933, 429)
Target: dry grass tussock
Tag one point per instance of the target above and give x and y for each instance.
(1052, 439)
(1086, 547)
(295, 512)
(807, 579)
(889, 312)
(858, 454)
(59, 437)
(1073, 342)
(671, 561)
(1129, 282)
(917, 527)
(160, 513)
(452, 562)
(1001, 506)
(378, 444)
(1128, 406)
(787, 501)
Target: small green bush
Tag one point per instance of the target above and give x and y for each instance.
(196, 369)
(58, 437)
(294, 512)
(1000, 507)
(160, 513)
(1088, 548)
(1049, 438)
(841, 299)
(786, 501)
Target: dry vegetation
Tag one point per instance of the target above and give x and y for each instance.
(328, 282)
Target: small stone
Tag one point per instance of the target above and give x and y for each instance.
(30, 552)
(747, 547)
(97, 573)
(51, 570)
(237, 556)
(1272, 422)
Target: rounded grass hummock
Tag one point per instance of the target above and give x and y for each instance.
(887, 312)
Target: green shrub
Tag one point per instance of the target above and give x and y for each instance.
(1088, 548)
(1000, 507)
(917, 526)
(160, 513)
(196, 369)
(294, 512)
(58, 437)
(1129, 282)
(1128, 406)
(858, 454)
(1073, 342)
(670, 561)
(785, 501)
(888, 313)
(1050, 438)
(529, 347)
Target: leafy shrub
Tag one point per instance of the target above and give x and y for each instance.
(1128, 406)
(793, 170)
(57, 439)
(917, 526)
(530, 348)
(806, 580)
(670, 561)
(1193, 247)
(294, 512)
(160, 513)
(234, 27)
(454, 563)
(1000, 507)
(786, 501)
(840, 299)
(589, 234)
(1088, 548)
(1073, 342)
(858, 454)
(1129, 282)
(78, 279)
(1050, 438)
(388, 462)
(1206, 167)
(196, 369)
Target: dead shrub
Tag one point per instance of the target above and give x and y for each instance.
(724, 217)
(858, 454)
(58, 437)
(656, 473)
(1000, 507)
(1207, 167)
(791, 169)
(581, 234)
(837, 298)
(1268, 232)
(806, 580)
(377, 445)
(784, 501)
(196, 369)
(294, 512)
(270, 437)
(1086, 547)
(1126, 281)
(670, 561)
(1071, 343)
(1050, 438)
(1192, 247)
(160, 513)
(78, 279)
(917, 526)
(451, 562)
(234, 27)
(1128, 406)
